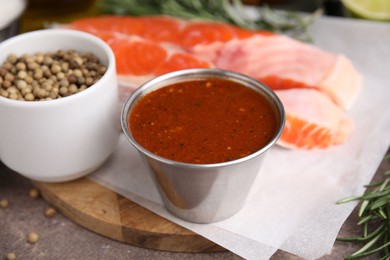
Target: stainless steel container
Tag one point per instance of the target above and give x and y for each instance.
(203, 193)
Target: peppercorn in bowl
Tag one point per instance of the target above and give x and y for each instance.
(59, 104)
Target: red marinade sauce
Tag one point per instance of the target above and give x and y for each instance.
(203, 121)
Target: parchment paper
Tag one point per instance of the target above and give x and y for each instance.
(292, 204)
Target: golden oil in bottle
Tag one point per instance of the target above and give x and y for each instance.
(41, 14)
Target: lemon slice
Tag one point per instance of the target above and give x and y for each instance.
(369, 9)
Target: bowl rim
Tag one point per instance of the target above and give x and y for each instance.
(196, 74)
(54, 33)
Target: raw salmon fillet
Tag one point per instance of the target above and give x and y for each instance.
(283, 63)
(316, 87)
(165, 29)
(313, 120)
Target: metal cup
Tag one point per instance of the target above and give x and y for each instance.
(203, 193)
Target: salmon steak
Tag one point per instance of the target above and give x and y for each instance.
(316, 87)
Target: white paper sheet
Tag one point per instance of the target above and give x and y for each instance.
(292, 205)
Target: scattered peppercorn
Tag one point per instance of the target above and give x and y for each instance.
(50, 212)
(32, 237)
(47, 76)
(4, 203)
(34, 193)
(11, 256)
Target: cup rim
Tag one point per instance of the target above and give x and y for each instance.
(203, 73)
(91, 39)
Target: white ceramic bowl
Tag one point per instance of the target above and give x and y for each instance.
(67, 138)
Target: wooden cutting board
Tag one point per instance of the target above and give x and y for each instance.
(112, 215)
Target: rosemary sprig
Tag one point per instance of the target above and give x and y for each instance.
(228, 11)
(374, 211)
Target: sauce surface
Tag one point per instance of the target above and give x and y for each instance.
(203, 121)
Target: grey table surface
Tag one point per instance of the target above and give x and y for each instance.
(60, 238)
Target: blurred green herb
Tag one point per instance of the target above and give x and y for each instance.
(228, 11)
(374, 214)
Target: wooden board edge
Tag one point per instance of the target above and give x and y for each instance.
(183, 240)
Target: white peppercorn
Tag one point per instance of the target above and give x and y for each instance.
(41, 93)
(73, 89)
(29, 97)
(35, 84)
(72, 78)
(9, 77)
(53, 94)
(78, 73)
(4, 93)
(26, 90)
(44, 68)
(65, 66)
(55, 68)
(82, 87)
(11, 256)
(28, 79)
(63, 91)
(27, 58)
(4, 203)
(22, 74)
(6, 84)
(81, 80)
(13, 96)
(50, 212)
(12, 90)
(38, 73)
(20, 84)
(102, 70)
(12, 58)
(64, 83)
(32, 237)
(39, 58)
(89, 81)
(85, 72)
(7, 65)
(47, 76)
(60, 75)
(78, 60)
(47, 60)
(20, 66)
(32, 65)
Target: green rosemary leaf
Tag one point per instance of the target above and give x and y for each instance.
(374, 211)
(363, 207)
(132, 7)
(382, 201)
(382, 213)
(362, 239)
(349, 199)
(365, 230)
(384, 184)
(374, 184)
(374, 251)
(228, 11)
(365, 219)
(376, 194)
(367, 246)
(385, 257)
